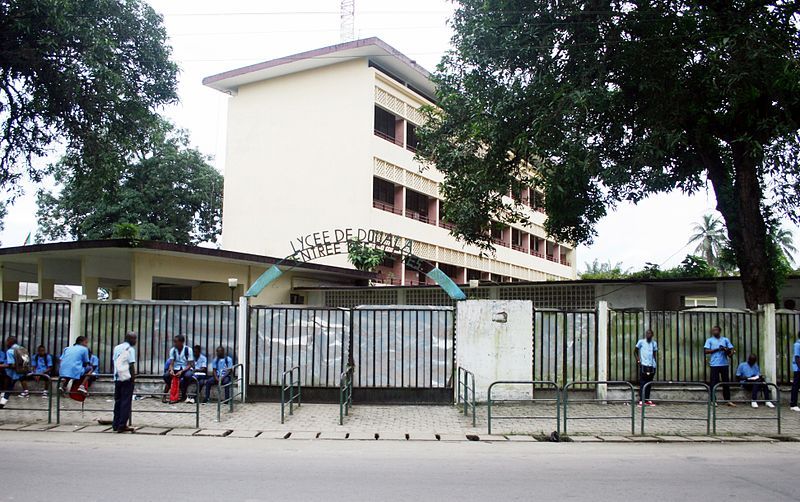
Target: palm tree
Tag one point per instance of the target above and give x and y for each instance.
(785, 241)
(711, 238)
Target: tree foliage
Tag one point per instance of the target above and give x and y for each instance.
(87, 74)
(364, 257)
(164, 191)
(710, 237)
(604, 270)
(614, 101)
(692, 267)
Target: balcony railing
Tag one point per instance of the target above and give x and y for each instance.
(446, 225)
(385, 136)
(389, 281)
(419, 217)
(537, 253)
(379, 204)
(500, 242)
(518, 247)
(552, 258)
(411, 148)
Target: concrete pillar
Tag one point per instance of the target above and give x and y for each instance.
(769, 346)
(602, 348)
(9, 290)
(242, 341)
(75, 318)
(141, 279)
(90, 285)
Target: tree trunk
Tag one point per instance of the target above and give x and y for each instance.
(739, 202)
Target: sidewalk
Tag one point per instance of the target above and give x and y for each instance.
(442, 420)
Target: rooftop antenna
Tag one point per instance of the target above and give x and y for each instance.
(347, 14)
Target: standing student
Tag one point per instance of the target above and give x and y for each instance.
(75, 365)
(221, 367)
(124, 354)
(796, 375)
(42, 363)
(749, 375)
(645, 352)
(720, 349)
(12, 377)
(180, 366)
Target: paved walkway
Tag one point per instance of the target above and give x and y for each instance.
(399, 420)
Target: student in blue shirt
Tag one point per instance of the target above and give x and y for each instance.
(180, 366)
(645, 352)
(123, 383)
(94, 362)
(719, 348)
(221, 373)
(42, 363)
(12, 377)
(796, 374)
(2, 377)
(75, 365)
(749, 375)
(200, 370)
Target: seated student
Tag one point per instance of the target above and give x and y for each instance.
(76, 365)
(42, 363)
(3, 367)
(94, 361)
(749, 375)
(182, 361)
(221, 366)
(200, 370)
(12, 377)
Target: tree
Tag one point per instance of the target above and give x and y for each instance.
(605, 270)
(77, 72)
(164, 191)
(600, 102)
(785, 240)
(710, 237)
(364, 257)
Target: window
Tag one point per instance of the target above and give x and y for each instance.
(383, 191)
(384, 124)
(516, 237)
(417, 202)
(412, 141)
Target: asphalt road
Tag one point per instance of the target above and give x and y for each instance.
(43, 466)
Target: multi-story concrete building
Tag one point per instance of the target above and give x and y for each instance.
(326, 139)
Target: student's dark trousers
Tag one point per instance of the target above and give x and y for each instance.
(795, 389)
(721, 374)
(123, 396)
(755, 388)
(644, 394)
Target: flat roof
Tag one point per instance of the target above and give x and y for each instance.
(166, 247)
(374, 49)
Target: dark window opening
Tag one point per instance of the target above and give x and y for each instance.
(385, 124)
(417, 202)
(383, 191)
(412, 141)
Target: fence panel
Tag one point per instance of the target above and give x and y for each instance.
(36, 323)
(564, 345)
(206, 324)
(787, 331)
(314, 339)
(680, 336)
(403, 347)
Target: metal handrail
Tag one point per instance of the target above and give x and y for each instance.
(631, 401)
(699, 385)
(532, 383)
(238, 378)
(463, 385)
(136, 379)
(293, 384)
(345, 393)
(49, 390)
(768, 384)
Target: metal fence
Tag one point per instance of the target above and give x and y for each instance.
(314, 339)
(680, 336)
(565, 345)
(403, 347)
(787, 331)
(202, 323)
(36, 323)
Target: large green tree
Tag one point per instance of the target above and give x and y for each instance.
(614, 101)
(163, 191)
(77, 73)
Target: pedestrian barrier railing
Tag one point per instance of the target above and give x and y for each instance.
(46, 392)
(231, 390)
(714, 404)
(630, 400)
(292, 388)
(138, 379)
(345, 393)
(466, 391)
(534, 384)
(682, 386)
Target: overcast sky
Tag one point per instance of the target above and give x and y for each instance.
(209, 36)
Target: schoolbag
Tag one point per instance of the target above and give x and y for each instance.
(122, 365)
(22, 360)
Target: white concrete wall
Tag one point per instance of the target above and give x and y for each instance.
(496, 350)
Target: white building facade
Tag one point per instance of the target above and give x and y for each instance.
(326, 139)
